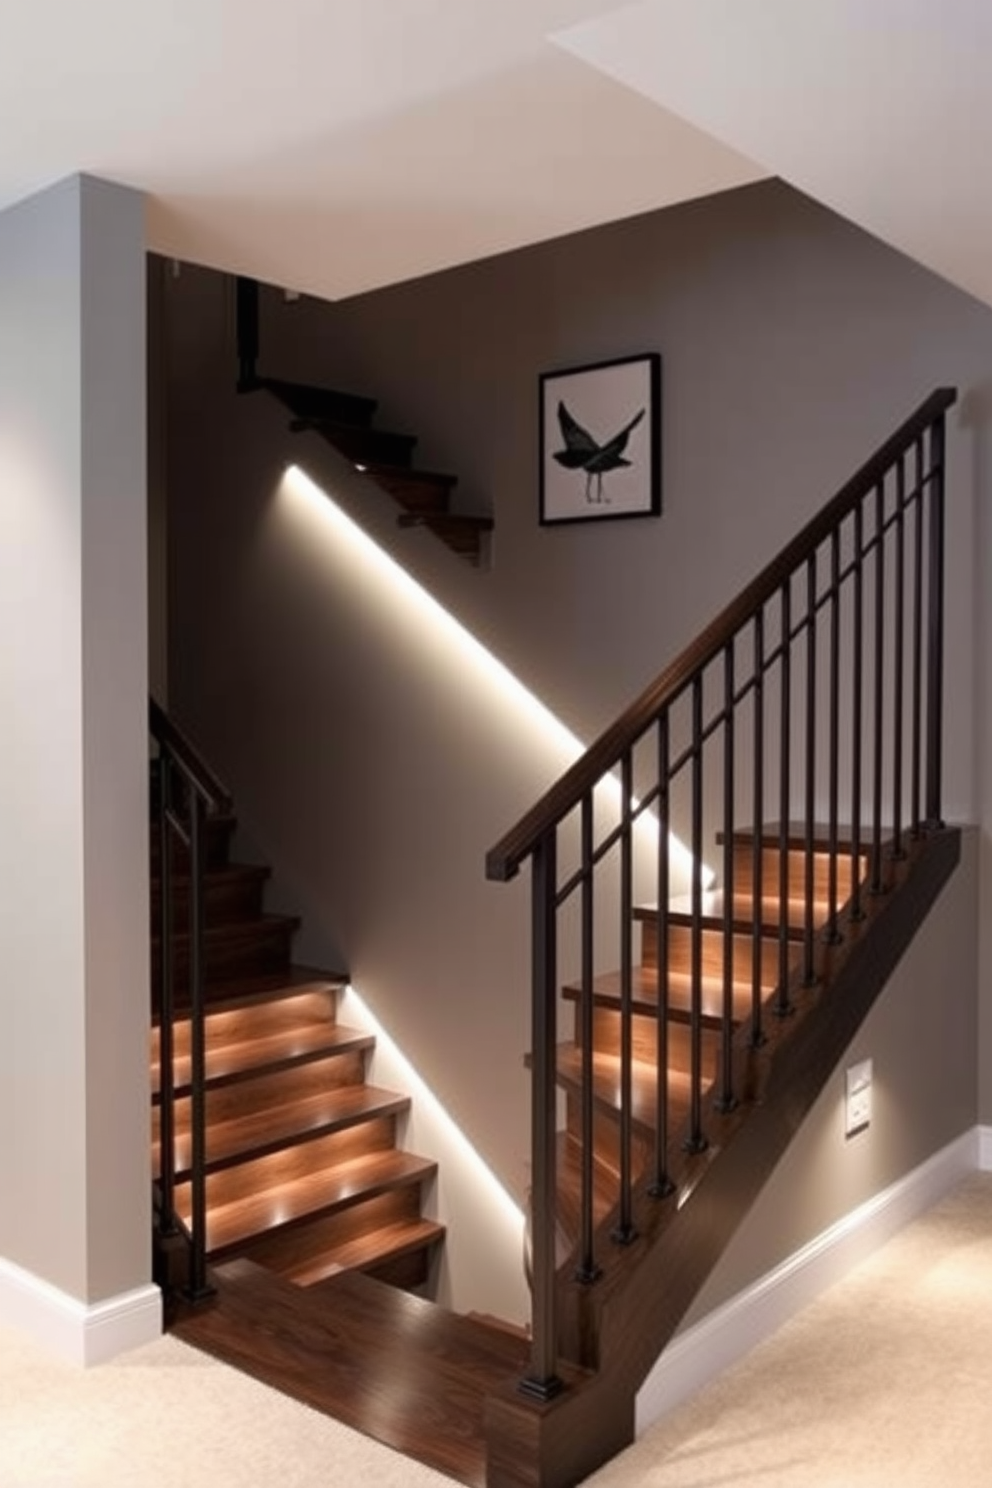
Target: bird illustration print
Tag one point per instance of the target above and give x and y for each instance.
(581, 452)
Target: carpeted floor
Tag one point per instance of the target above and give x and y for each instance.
(885, 1380)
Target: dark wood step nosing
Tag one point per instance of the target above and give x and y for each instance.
(279, 986)
(678, 1012)
(394, 1105)
(413, 1177)
(356, 1043)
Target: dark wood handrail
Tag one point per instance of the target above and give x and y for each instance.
(194, 767)
(503, 861)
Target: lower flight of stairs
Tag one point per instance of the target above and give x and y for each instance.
(444, 1389)
(304, 1174)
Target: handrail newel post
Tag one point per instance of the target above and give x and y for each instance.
(543, 1382)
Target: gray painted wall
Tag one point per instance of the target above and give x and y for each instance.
(375, 772)
(74, 1165)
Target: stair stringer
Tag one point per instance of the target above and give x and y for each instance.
(618, 1328)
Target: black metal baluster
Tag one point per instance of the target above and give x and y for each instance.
(662, 1184)
(916, 759)
(247, 320)
(543, 1382)
(757, 843)
(878, 757)
(935, 627)
(809, 971)
(198, 1287)
(857, 913)
(897, 660)
(726, 1100)
(696, 1141)
(624, 1231)
(587, 1270)
(166, 1008)
(782, 1004)
(832, 933)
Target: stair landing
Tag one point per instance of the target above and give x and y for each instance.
(391, 1365)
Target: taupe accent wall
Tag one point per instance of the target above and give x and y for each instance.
(369, 769)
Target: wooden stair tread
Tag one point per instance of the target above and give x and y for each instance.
(268, 1052)
(264, 925)
(386, 1242)
(258, 991)
(644, 988)
(222, 873)
(307, 400)
(606, 1084)
(401, 476)
(742, 913)
(383, 1362)
(795, 837)
(272, 1128)
(361, 444)
(347, 1183)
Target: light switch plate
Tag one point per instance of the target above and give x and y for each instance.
(857, 1089)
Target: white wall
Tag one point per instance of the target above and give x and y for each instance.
(792, 345)
(74, 1164)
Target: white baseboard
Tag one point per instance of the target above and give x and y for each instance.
(78, 1332)
(985, 1148)
(729, 1332)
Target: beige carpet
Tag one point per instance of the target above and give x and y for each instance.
(885, 1380)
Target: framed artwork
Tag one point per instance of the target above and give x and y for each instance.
(601, 441)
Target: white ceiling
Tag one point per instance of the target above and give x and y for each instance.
(882, 109)
(338, 145)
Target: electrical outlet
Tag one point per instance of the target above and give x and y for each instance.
(857, 1109)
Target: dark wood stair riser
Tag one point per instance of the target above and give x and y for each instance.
(257, 1175)
(241, 1020)
(235, 954)
(304, 1255)
(243, 1140)
(322, 1193)
(269, 1089)
(219, 835)
(362, 446)
(711, 941)
(417, 491)
(309, 402)
(795, 873)
(607, 1034)
(231, 894)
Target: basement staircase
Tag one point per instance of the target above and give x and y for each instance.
(301, 1170)
(380, 456)
(690, 1033)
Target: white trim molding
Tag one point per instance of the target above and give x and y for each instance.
(731, 1330)
(78, 1332)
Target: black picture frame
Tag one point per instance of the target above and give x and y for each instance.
(600, 441)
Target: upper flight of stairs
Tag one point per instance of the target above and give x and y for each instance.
(382, 456)
(304, 1174)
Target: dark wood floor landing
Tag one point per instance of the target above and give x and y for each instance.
(386, 1363)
